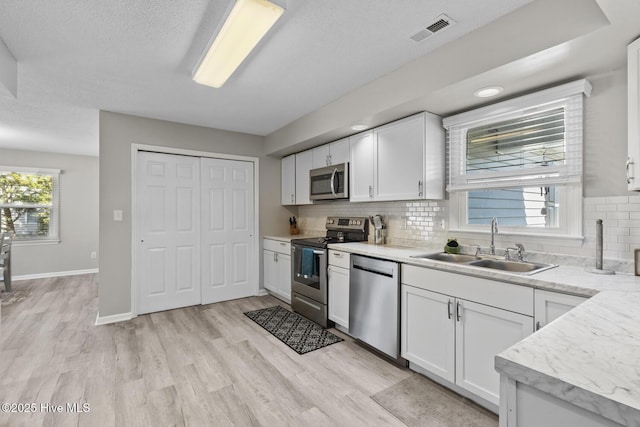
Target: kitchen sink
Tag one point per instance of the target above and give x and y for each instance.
(517, 267)
(521, 267)
(443, 256)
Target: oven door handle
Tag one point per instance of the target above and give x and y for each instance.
(318, 252)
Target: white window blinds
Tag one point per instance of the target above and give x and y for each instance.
(518, 143)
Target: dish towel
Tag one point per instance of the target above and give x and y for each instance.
(307, 263)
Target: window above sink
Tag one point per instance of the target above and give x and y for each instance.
(519, 161)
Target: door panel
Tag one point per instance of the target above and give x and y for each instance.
(167, 224)
(481, 333)
(428, 331)
(227, 234)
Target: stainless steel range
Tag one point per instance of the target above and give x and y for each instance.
(309, 295)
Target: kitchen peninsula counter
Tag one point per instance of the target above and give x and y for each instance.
(588, 359)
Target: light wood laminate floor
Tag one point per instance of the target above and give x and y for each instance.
(197, 366)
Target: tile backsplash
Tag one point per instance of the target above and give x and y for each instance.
(425, 223)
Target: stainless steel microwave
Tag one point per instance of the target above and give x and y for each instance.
(330, 182)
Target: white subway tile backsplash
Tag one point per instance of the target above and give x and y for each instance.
(617, 215)
(419, 223)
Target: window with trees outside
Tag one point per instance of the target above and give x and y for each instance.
(519, 161)
(29, 203)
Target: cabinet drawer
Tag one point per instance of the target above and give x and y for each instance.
(339, 258)
(277, 246)
(502, 295)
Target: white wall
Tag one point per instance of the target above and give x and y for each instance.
(117, 133)
(416, 223)
(78, 215)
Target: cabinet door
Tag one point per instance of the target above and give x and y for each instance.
(339, 151)
(269, 265)
(548, 306)
(361, 167)
(320, 156)
(288, 180)
(303, 166)
(481, 333)
(283, 276)
(633, 112)
(428, 331)
(339, 295)
(400, 161)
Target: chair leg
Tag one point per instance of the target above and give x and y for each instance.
(7, 275)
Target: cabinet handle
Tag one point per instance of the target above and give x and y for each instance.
(449, 304)
(420, 188)
(538, 325)
(371, 191)
(337, 255)
(630, 177)
(458, 311)
(329, 160)
(283, 244)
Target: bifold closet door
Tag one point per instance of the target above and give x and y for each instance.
(228, 235)
(167, 231)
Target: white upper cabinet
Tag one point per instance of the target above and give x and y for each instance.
(407, 161)
(304, 162)
(339, 151)
(331, 154)
(288, 180)
(361, 167)
(633, 100)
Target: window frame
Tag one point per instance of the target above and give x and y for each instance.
(54, 220)
(571, 192)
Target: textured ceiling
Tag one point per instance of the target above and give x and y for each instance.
(136, 57)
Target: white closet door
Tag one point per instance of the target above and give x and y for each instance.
(228, 261)
(168, 230)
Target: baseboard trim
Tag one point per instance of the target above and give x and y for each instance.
(114, 318)
(262, 292)
(54, 274)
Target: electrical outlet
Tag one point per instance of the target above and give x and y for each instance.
(94, 255)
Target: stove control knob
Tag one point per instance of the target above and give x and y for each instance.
(358, 222)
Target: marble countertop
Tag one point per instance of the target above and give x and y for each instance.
(588, 357)
(572, 280)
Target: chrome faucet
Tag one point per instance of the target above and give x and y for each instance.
(518, 247)
(494, 231)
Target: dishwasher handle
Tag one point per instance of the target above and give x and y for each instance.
(375, 266)
(371, 270)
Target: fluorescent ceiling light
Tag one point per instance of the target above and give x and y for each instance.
(487, 92)
(359, 127)
(245, 26)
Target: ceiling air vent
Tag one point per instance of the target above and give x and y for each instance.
(439, 24)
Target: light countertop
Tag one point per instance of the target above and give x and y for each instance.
(589, 357)
(573, 280)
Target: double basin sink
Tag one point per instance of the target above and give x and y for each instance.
(518, 267)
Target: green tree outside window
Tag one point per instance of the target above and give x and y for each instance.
(26, 201)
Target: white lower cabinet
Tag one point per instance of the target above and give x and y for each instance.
(456, 335)
(276, 258)
(428, 331)
(481, 333)
(550, 305)
(338, 272)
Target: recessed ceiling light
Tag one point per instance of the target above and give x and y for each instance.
(359, 127)
(489, 91)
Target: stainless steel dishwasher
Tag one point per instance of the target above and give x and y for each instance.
(374, 304)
